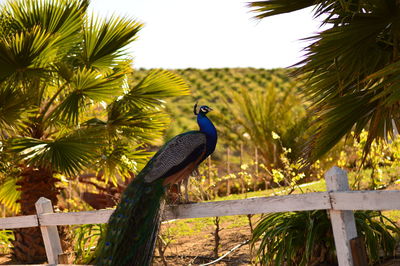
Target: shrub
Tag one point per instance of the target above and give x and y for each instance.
(306, 238)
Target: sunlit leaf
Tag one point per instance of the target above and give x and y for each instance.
(105, 40)
(276, 7)
(121, 160)
(59, 17)
(153, 89)
(88, 84)
(67, 155)
(9, 194)
(26, 51)
(13, 109)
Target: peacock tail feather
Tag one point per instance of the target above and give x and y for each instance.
(133, 227)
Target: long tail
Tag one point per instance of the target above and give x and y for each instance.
(133, 227)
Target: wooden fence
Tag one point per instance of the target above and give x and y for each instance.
(338, 200)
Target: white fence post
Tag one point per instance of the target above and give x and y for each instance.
(343, 223)
(50, 235)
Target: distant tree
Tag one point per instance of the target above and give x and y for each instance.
(65, 106)
(351, 69)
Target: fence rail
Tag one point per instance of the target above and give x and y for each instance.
(338, 200)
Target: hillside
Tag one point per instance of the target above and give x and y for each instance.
(213, 87)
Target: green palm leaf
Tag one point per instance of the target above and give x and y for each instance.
(26, 51)
(138, 113)
(67, 155)
(86, 85)
(276, 7)
(13, 109)
(385, 82)
(121, 161)
(104, 40)
(142, 126)
(96, 86)
(153, 89)
(9, 194)
(62, 18)
(338, 117)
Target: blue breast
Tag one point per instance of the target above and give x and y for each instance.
(207, 127)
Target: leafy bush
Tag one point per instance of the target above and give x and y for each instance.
(85, 240)
(306, 238)
(376, 170)
(6, 236)
(379, 233)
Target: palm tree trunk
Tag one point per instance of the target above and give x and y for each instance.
(34, 183)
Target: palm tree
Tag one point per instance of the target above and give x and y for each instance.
(66, 106)
(351, 69)
(273, 118)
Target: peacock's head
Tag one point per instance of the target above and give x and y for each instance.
(204, 109)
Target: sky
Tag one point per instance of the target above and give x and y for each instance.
(210, 33)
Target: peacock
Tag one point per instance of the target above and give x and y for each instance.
(133, 227)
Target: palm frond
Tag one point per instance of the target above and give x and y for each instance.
(379, 233)
(153, 89)
(351, 81)
(142, 126)
(31, 50)
(138, 113)
(104, 40)
(329, 8)
(61, 18)
(68, 155)
(9, 194)
(121, 160)
(87, 84)
(275, 7)
(385, 83)
(338, 118)
(13, 110)
(340, 58)
(126, 136)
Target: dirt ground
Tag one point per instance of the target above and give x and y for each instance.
(198, 249)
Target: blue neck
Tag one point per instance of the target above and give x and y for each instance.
(207, 127)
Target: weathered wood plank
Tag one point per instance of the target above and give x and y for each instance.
(86, 217)
(300, 202)
(51, 239)
(343, 200)
(19, 222)
(343, 223)
(366, 200)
